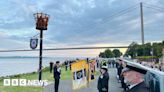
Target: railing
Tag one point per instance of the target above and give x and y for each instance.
(153, 78)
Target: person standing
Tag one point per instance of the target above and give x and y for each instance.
(97, 61)
(123, 84)
(57, 73)
(109, 63)
(92, 75)
(134, 77)
(70, 67)
(66, 65)
(103, 80)
(120, 67)
(113, 63)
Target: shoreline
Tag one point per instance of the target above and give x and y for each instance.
(22, 74)
(22, 65)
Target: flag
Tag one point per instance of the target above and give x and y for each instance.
(33, 43)
(79, 72)
(92, 66)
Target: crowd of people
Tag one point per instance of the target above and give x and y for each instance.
(151, 64)
(157, 66)
(131, 78)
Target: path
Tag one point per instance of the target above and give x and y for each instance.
(66, 85)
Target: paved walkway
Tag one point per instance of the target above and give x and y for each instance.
(66, 85)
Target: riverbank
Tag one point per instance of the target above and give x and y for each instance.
(66, 75)
(19, 65)
(46, 75)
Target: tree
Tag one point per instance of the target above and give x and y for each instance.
(116, 53)
(163, 43)
(109, 53)
(157, 49)
(144, 50)
(147, 49)
(102, 55)
(140, 50)
(132, 50)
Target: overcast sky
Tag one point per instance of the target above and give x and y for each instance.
(76, 23)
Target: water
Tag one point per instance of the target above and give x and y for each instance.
(17, 65)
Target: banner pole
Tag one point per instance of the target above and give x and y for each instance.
(88, 72)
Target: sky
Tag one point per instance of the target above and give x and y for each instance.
(79, 23)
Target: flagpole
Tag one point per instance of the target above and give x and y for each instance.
(88, 73)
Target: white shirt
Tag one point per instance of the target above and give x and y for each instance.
(59, 69)
(131, 86)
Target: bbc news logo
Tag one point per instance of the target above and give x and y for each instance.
(24, 82)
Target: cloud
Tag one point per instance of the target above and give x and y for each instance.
(79, 22)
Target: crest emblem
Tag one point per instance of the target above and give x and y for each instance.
(33, 43)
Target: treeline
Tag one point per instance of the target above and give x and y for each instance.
(110, 54)
(148, 49)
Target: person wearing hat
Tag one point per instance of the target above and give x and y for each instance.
(57, 72)
(134, 77)
(103, 79)
(119, 70)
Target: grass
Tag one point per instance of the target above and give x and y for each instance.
(32, 76)
(145, 57)
(46, 75)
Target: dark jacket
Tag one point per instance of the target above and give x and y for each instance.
(139, 88)
(103, 82)
(56, 73)
(120, 67)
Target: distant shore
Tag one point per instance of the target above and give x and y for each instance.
(25, 64)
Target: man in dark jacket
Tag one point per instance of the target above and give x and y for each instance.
(119, 71)
(134, 77)
(123, 84)
(57, 72)
(103, 80)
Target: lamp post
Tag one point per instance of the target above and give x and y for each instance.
(41, 24)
